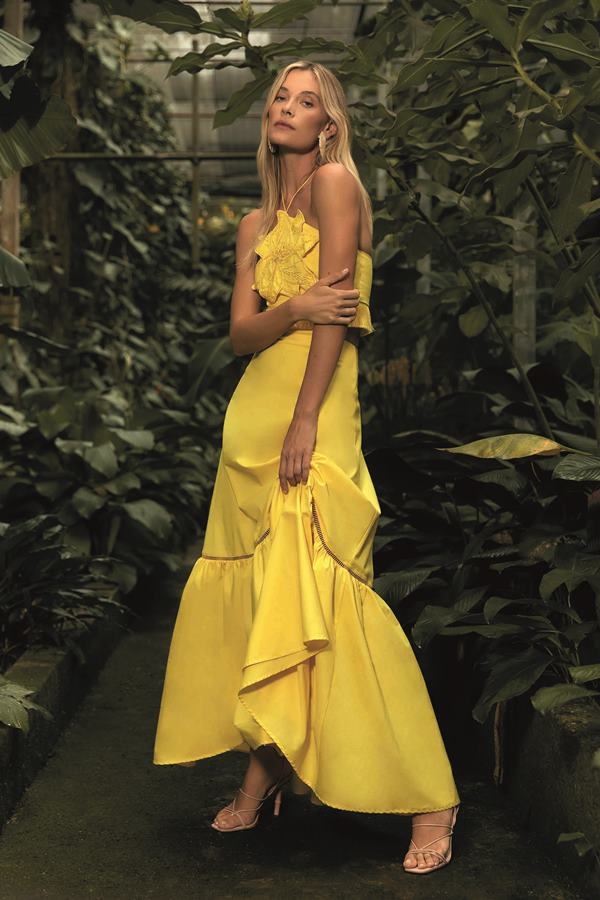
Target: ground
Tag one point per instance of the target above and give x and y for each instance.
(102, 821)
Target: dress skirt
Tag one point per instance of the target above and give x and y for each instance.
(279, 637)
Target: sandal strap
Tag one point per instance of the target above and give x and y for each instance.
(239, 815)
(277, 784)
(435, 852)
(251, 797)
(428, 844)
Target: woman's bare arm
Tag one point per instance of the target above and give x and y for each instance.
(251, 329)
(335, 198)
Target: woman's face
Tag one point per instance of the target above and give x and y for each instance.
(298, 104)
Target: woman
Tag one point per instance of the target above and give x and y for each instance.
(281, 649)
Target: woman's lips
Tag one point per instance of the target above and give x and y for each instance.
(283, 125)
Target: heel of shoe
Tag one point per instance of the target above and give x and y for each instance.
(277, 803)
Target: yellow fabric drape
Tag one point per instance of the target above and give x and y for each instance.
(280, 637)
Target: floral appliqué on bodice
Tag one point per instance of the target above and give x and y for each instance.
(283, 269)
(288, 265)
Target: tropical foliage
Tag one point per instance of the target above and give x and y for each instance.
(483, 118)
(476, 129)
(109, 408)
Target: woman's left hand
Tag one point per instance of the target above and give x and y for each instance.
(299, 443)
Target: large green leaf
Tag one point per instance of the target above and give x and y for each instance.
(235, 19)
(304, 46)
(31, 129)
(509, 446)
(566, 47)
(473, 322)
(15, 703)
(242, 99)
(102, 459)
(211, 356)
(194, 61)
(395, 586)
(547, 698)
(580, 841)
(170, 15)
(494, 605)
(284, 13)
(13, 272)
(581, 674)
(141, 439)
(574, 190)
(434, 618)
(494, 15)
(577, 468)
(507, 478)
(509, 678)
(87, 502)
(538, 13)
(573, 278)
(152, 516)
(12, 50)
(553, 579)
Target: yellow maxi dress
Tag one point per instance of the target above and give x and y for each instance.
(279, 637)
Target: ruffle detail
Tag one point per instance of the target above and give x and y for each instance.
(283, 269)
(288, 265)
(292, 646)
(362, 319)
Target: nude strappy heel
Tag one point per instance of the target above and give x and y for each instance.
(444, 858)
(230, 810)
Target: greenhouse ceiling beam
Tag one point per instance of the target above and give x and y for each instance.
(212, 155)
(271, 3)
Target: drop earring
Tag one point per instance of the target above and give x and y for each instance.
(271, 147)
(322, 145)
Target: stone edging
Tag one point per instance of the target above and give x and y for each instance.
(552, 784)
(59, 681)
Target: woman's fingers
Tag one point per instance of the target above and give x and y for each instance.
(334, 276)
(282, 471)
(293, 468)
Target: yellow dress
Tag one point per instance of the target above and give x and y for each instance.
(279, 636)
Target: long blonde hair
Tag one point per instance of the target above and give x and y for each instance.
(337, 149)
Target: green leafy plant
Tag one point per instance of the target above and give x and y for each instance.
(15, 704)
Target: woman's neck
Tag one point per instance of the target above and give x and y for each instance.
(294, 170)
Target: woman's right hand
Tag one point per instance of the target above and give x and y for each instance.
(326, 305)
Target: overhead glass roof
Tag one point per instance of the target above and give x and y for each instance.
(216, 85)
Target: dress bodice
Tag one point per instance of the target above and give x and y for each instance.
(288, 265)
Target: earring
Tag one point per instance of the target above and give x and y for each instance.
(271, 147)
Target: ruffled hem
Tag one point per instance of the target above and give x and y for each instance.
(362, 319)
(291, 645)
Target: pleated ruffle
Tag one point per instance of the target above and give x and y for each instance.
(289, 644)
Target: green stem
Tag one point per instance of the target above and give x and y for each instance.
(597, 404)
(585, 149)
(454, 251)
(589, 287)
(531, 84)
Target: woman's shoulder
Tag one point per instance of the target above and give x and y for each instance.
(248, 227)
(332, 183)
(251, 220)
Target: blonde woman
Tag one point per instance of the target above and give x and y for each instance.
(281, 649)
